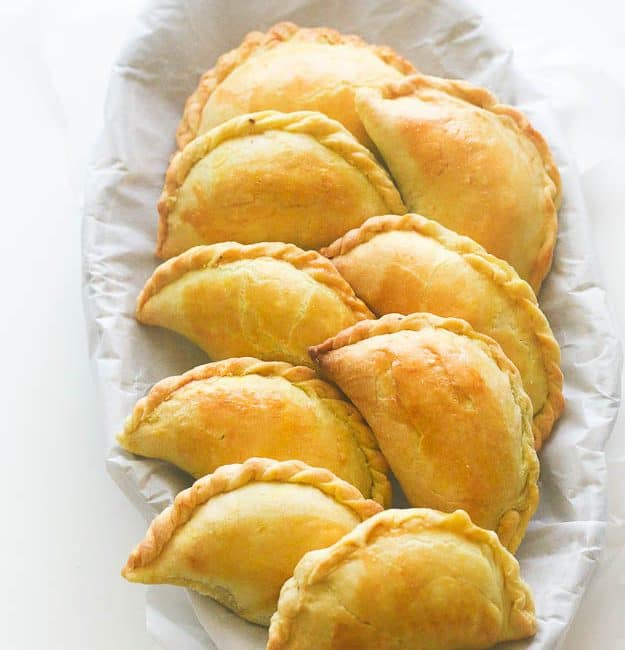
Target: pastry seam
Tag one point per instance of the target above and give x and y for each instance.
(200, 258)
(374, 458)
(231, 477)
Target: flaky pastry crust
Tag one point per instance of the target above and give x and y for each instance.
(328, 133)
(513, 521)
(255, 41)
(318, 569)
(231, 477)
(300, 376)
(496, 270)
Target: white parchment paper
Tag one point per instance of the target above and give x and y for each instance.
(172, 44)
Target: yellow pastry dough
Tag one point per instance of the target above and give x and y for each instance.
(289, 69)
(269, 176)
(449, 412)
(228, 411)
(236, 535)
(476, 166)
(415, 579)
(270, 300)
(409, 263)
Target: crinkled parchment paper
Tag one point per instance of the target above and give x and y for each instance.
(172, 44)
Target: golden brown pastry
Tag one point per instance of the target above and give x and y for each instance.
(449, 412)
(229, 411)
(476, 166)
(409, 263)
(290, 69)
(236, 535)
(415, 579)
(294, 177)
(270, 300)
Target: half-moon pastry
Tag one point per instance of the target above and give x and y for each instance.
(290, 69)
(417, 579)
(270, 300)
(409, 263)
(228, 411)
(449, 412)
(236, 535)
(476, 166)
(294, 177)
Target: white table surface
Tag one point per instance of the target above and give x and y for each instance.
(66, 528)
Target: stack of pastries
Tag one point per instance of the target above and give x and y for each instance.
(357, 247)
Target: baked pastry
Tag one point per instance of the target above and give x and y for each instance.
(449, 412)
(415, 579)
(270, 300)
(408, 264)
(477, 166)
(294, 177)
(236, 535)
(290, 69)
(228, 411)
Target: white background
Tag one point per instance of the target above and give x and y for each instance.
(65, 528)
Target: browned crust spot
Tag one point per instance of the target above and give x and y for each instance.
(513, 522)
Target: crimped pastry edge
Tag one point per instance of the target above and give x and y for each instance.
(484, 99)
(279, 33)
(231, 477)
(237, 367)
(312, 263)
(413, 521)
(497, 270)
(512, 522)
(243, 366)
(327, 132)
